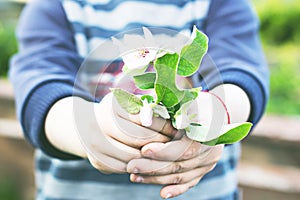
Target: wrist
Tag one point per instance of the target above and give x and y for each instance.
(60, 127)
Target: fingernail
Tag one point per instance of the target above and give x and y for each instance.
(168, 196)
(135, 171)
(139, 179)
(148, 152)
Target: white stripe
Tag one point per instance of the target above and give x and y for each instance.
(98, 1)
(81, 43)
(73, 9)
(139, 12)
(103, 49)
(96, 43)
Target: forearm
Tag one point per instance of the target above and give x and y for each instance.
(235, 54)
(60, 126)
(44, 70)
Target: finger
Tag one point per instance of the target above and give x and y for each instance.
(171, 191)
(182, 149)
(122, 130)
(178, 178)
(149, 167)
(134, 135)
(106, 164)
(158, 124)
(165, 127)
(115, 149)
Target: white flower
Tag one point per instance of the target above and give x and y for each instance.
(182, 121)
(171, 44)
(139, 59)
(204, 118)
(186, 115)
(146, 113)
(137, 51)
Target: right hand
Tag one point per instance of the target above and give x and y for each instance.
(117, 136)
(103, 132)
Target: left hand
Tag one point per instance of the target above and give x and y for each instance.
(178, 164)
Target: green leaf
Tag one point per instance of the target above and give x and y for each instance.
(235, 133)
(134, 72)
(189, 95)
(192, 54)
(127, 101)
(230, 133)
(198, 133)
(149, 98)
(165, 84)
(161, 111)
(145, 81)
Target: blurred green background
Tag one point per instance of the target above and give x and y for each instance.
(9, 12)
(280, 35)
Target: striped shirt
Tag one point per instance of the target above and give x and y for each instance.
(94, 21)
(55, 36)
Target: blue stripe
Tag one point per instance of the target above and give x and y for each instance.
(43, 164)
(79, 173)
(221, 169)
(88, 173)
(98, 32)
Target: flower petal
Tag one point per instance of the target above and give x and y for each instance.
(146, 114)
(182, 121)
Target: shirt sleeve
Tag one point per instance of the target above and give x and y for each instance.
(44, 69)
(235, 54)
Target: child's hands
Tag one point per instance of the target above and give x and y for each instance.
(116, 140)
(179, 165)
(101, 132)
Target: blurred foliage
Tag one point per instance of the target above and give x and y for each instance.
(284, 62)
(279, 20)
(280, 35)
(9, 13)
(8, 46)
